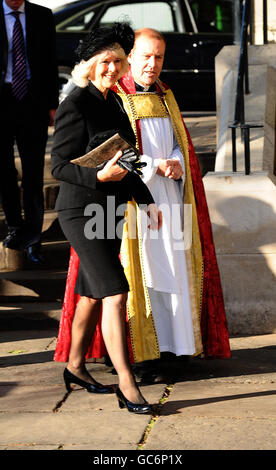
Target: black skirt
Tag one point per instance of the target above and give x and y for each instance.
(100, 271)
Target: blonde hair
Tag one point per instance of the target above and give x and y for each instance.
(84, 69)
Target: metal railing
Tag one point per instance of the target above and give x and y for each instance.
(265, 20)
(242, 88)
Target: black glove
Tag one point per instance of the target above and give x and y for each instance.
(130, 161)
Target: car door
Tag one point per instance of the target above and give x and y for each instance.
(75, 24)
(167, 17)
(163, 15)
(195, 31)
(209, 25)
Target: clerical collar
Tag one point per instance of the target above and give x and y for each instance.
(145, 89)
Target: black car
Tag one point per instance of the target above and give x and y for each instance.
(195, 31)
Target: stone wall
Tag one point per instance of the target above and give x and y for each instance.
(269, 154)
(243, 215)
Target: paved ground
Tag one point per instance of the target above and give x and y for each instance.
(205, 405)
(203, 132)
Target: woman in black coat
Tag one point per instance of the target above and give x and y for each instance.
(91, 111)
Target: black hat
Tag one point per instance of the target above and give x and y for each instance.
(101, 38)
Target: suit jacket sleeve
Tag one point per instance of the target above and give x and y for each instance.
(53, 86)
(42, 57)
(138, 189)
(70, 141)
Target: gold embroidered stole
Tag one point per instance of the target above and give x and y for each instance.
(142, 330)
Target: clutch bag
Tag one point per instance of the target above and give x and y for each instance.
(104, 152)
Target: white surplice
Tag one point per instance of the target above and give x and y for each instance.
(163, 254)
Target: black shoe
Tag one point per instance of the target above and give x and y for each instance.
(150, 378)
(150, 372)
(33, 254)
(145, 367)
(14, 239)
(139, 408)
(70, 378)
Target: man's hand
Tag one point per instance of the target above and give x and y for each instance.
(155, 217)
(170, 168)
(111, 171)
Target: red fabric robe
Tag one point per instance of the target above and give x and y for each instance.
(214, 331)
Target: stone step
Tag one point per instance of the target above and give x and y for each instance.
(56, 256)
(35, 285)
(28, 316)
(51, 228)
(32, 297)
(55, 247)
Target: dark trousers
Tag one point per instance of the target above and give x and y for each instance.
(26, 124)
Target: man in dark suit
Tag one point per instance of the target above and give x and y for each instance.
(28, 100)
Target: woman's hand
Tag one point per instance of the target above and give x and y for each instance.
(155, 217)
(111, 171)
(170, 168)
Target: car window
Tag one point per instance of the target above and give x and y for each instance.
(79, 22)
(157, 15)
(213, 16)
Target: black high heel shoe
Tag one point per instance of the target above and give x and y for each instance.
(70, 378)
(132, 407)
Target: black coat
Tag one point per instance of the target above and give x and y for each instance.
(41, 52)
(81, 116)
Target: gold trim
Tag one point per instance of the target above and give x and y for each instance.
(148, 105)
(130, 110)
(141, 324)
(137, 107)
